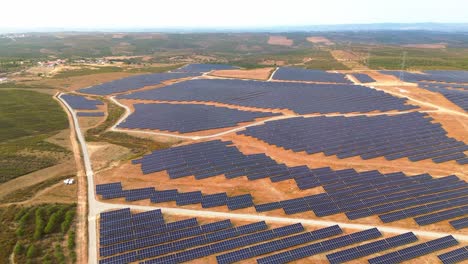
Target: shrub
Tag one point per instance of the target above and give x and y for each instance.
(39, 227)
(69, 216)
(58, 253)
(71, 240)
(32, 251)
(18, 249)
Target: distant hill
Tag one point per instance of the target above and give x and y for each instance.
(443, 27)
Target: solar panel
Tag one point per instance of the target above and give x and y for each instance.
(363, 78)
(185, 118)
(415, 251)
(80, 102)
(302, 98)
(454, 256)
(90, 114)
(327, 245)
(460, 223)
(407, 135)
(371, 248)
(299, 74)
(280, 244)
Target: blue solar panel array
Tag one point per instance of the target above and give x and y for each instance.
(114, 190)
(443, 215)
(208, 159)
(371, 248)
(201, 68)
(91, 114)
(369, 193)
(299, 74)
(432, 76)
(320, 247)
(451, 84)
(363, 78)
(411, 135)
(358, 194)
(454, 256)
(127, 237)
(276, 245)
(415, 251)
(80, 102)
(134, 82)
(301, 98)
(187, 118)
(457, 97)
(460, 223)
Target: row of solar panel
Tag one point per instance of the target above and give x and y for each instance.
(302, 98)
(91, 114)
(409, 135)
(363, 78)
(454, 256)
(431, 76)
(79, 102)
(255, 240)
(187, 118)
(358, 194)
(299, 74)
(114, 190)
(140, 81)
(457, 97)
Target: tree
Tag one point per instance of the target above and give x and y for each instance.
(32, 251)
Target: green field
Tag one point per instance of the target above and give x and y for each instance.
(27, 119)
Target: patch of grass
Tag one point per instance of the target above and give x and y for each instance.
(323, 60)
(391, 57)
(86, 71)
(138, 146)
(26, 193)
(16, 85)
(27, 113)
(27, 119)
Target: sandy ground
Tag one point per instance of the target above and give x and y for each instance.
(320, 39)
(255, 74)
(58, 193)
(280, 40)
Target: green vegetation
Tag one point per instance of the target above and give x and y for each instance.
(30, 247)
(323, 60)
(138, 146)
(87, 71)
(27, 119)
(418, 59)
(15, 85)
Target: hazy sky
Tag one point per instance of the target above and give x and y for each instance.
(218, 13)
